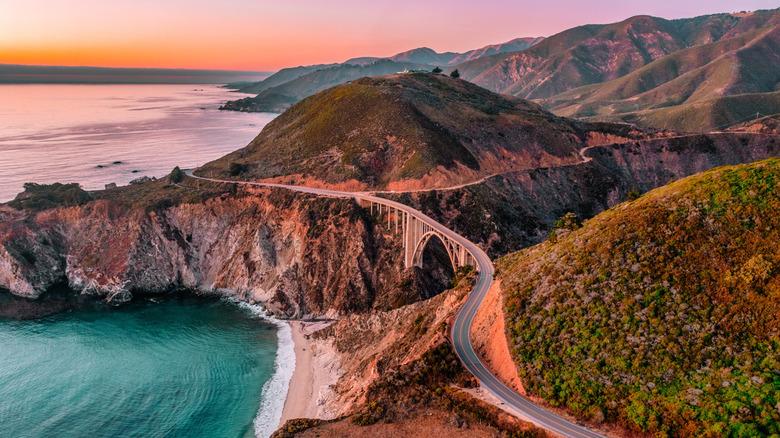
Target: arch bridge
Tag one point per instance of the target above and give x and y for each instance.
(416, 231)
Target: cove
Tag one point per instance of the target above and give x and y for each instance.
(181, 366)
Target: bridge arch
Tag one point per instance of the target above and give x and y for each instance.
(417, 257)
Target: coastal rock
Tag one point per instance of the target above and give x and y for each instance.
(278, 248)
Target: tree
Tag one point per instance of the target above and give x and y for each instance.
(455, 73)
(176, 175)
(436, 70)
(236, 168)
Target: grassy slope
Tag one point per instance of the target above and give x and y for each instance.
(660, 314)
(593, 54)
(663, 93)
(384, 129)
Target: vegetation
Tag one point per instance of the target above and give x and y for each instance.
(436, 70)
(662, 314)
(384, 129)
(235, 168)
(296, 425)
(426, 383)
(455, 73)
(38, 197)
(176, 175)
(633, 195)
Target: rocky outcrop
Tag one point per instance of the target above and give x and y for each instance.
(299, 255)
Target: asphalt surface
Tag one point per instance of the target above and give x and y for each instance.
(460, 330)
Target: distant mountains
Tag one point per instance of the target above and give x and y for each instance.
(38, 74)
(691, 74)
(695, 74)
(290, 85)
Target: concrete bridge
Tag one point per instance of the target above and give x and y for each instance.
(416, 232)
(418, 229)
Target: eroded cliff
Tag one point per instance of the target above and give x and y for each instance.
(299, 255)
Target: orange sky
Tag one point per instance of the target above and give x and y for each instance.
(265, 35)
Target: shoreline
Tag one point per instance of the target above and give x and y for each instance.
(305, 385)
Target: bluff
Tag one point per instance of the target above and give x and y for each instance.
(274, 247)
(660, 314)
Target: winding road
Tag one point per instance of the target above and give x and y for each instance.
(460, 331)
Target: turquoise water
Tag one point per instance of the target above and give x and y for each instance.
(185, 367)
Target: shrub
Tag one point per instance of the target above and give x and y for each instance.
(42, 196)
(569, 221)
(236, 168)
(436, 70)
(455, 73)
(369, 414)
(633, 195)
(176, 175)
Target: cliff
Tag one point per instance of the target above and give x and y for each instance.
(518, 209)
(282, 249)
(396, 375)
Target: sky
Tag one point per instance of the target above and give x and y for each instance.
(261, 35)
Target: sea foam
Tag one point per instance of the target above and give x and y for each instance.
(275, 389)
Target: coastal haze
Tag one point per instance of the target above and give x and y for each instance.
(100, 134)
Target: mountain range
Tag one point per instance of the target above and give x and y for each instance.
(696, 74)
(279, 91)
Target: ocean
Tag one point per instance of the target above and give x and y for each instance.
(175, 367)
(183, 367)
(99, 134)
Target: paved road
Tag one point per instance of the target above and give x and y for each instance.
(460, 330)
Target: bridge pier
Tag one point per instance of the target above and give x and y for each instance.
(415, 234)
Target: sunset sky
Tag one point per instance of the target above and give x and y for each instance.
(268, 35)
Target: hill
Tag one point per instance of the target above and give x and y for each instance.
(599, 53)
(278, 78)
(765, 125)
(696, 79)
(660, 314)
(288, 86)
(409, 131)
(280, 97)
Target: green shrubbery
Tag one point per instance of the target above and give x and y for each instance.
(42, 196)
(662, 314)
(176, 175)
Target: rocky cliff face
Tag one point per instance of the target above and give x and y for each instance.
(518, 209)
(299, 255)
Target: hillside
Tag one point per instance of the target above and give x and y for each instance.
(409, 131)
(280, 97)
(746, 64)
(765, 125)
(660, 314)
(278, 78)
(594, 54)
(290, 85)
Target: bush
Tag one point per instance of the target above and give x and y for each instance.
(455, 73)
(176, 175)
(633, 195)
(369, 414)
(569, 221)
(236, 168)
(436, 70)
(42, 196)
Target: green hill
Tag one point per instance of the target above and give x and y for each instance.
(393, 131)
(661, 314)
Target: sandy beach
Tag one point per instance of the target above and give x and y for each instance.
(309, 387)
